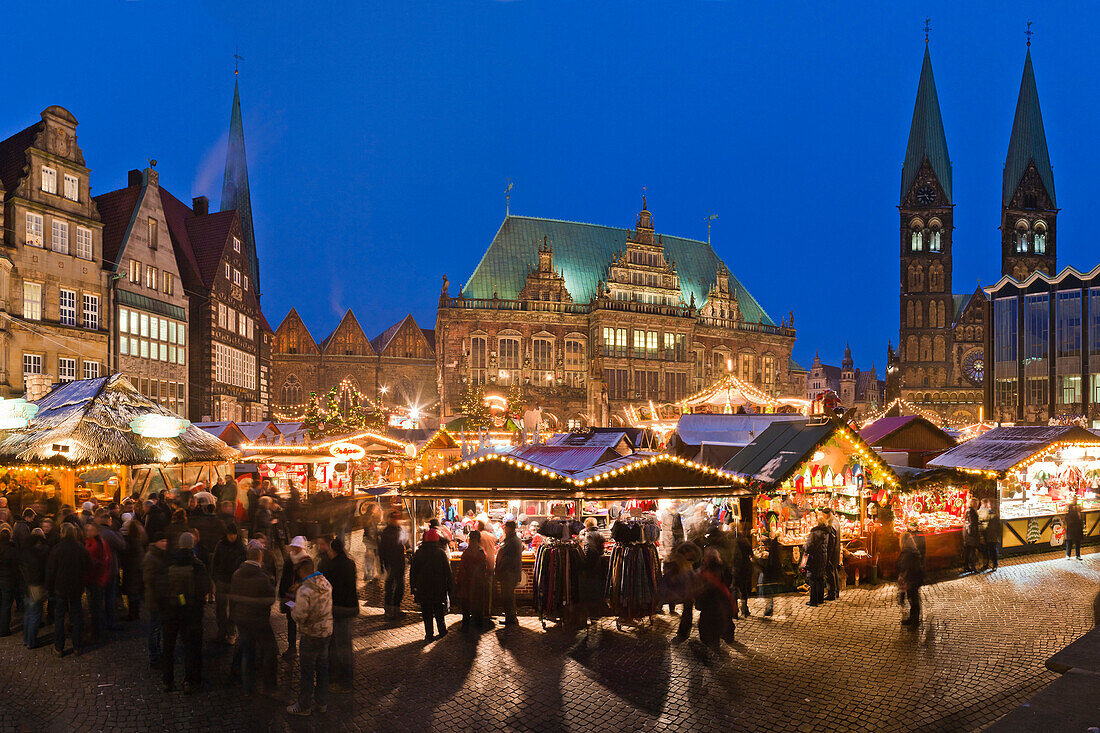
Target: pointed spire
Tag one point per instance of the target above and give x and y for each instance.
(235, 193)
(847, 363)
(926, 135)
(1029, 140)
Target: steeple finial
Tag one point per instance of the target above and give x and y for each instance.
(928, 27)
(1029, 33)
(237, 59)
(643, 199)
(508, 197)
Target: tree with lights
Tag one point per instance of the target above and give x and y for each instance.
(472, 404)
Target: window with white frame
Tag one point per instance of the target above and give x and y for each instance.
(542, 352)
(34, 229)
(233, 366)
(49, 180)
(250, 326)
(236, 276)
(67, 311)
(135, 271)
(84, 243)
(169, 285)
(236, 244)
(123, 320)
(242, 327)
(66, 369)
(509, 360)
(227, 270)
(221, 315)
(574, 362)
(244, 281)
(151, 277)
(91, 312)
(478, 360)
(32, 364)
(72, 187)
(60, 240)
(91, 370)
(32, 301)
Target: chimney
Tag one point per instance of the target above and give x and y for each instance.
(134, 178)
(37, 386)
(201, 205)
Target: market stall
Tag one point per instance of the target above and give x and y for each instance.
(102, 438)
(797, 467)
(1034, 472)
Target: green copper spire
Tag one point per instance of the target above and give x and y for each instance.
(235, 184)
(926, 136)
(1029, 141)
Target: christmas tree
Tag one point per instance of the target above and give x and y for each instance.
(473, 407)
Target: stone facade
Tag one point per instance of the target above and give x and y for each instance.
(641, 336)
(397, 367)
(53, 289)
(856, 388)
(149, 339)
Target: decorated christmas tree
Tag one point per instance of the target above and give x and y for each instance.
(473, 406)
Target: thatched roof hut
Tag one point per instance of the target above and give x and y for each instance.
(88, 422)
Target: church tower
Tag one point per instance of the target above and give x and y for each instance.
(925, 234)
(235, 193)
(1028, 207)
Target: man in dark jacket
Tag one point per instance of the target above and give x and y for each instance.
(392, 546)
(509, 571)
(117, 543)
(9, 577)
(211, 531)
(1075, 528)
(66, 568)
(154, 575)
(188, 586)
(832, 563)
(815, 558)
(32, 566)
(252, 592)
(742, 570)
(339, 570)
(972, 536)
(228, 555)
(910, 578)
(430, 579)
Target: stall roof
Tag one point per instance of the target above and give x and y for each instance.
(1002, 448)
(91, 418)
(775, 454)
(693, 431)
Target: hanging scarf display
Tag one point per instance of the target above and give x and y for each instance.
(557, 570)
(631, 588)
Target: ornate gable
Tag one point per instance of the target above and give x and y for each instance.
(348, 339)
(292, 336)
(721, 303)
(640, 272)
(543, 283)
(408, 342)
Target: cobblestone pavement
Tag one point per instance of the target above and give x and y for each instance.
(848, 665)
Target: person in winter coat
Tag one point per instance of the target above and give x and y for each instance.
(339, 571)
(176, 527)
(992, 539)
(910, 578)
(430, 580)
(188, 587)
(228, 555)
(714, 600)
(9, 578)
(393, 544)
(21, 532)
(251, 595)
(312, 611)
(154, 577)
(472, 583)
(98, 577)
(742, 570)
(509, 568)
(117, 545)
(834, 555)
(32, 566)
(770, 571)
(133, 585)
(815, 558)
(1075, 528)
(972, 536)
(593, 575)
(66, 570)
(296, 555)
(688, 556)
(211, 530)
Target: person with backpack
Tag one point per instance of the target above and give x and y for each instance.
(188, 586)
(312, 612)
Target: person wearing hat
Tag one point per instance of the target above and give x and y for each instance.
(228, 555)
(430, 580)
(393, 545)
(188, 586)
(297, 552)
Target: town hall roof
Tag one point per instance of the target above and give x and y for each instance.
(582, 253)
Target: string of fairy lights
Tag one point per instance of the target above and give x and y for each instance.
(346, 388)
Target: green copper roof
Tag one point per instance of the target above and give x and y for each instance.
(582, 253)
(926, 136)
(1029, 140)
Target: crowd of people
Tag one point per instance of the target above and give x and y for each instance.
(171, 556)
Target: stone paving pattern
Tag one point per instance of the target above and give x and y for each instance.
(846, 666)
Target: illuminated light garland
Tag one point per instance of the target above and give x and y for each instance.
(932, 417)
(313, 447)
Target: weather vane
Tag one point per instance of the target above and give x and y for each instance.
(1029, 33)
(508, 197)
(237, 59)
(927, 28)
(710, 218)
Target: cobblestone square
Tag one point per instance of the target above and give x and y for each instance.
(847, 666)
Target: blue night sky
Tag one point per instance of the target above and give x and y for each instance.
(380, 135)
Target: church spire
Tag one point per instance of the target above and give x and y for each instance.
(235, 183)
(926, 135)
(1028, 143)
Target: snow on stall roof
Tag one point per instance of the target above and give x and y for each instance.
(1002, 448)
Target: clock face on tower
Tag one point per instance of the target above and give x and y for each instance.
(926, 195)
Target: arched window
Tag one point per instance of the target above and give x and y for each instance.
(935, 277)
(909, 320)
(916, 278)
(1021, 236)
(911, 351)
(925, 348)
(933, 235)
(1040, 238)
(292, 391)
(939, 350)
(916, 236)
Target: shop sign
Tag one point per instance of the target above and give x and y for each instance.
(16, 413)
(347, 451)
(159, 426)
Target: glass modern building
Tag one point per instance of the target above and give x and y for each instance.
(1044, 347)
